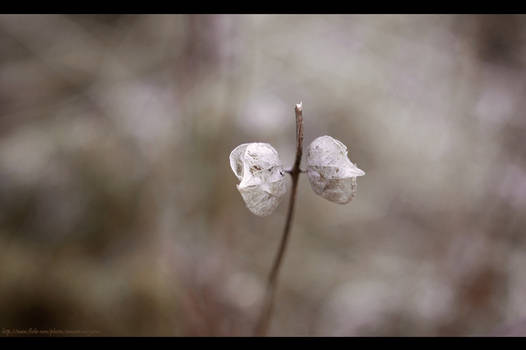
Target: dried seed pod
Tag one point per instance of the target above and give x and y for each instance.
(263, 184)
(330, 171)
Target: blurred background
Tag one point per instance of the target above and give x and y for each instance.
(119, 212)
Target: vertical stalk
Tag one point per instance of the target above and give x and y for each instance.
(268, 304)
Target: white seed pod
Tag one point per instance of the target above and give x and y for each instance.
(263, 183)
(330, 171)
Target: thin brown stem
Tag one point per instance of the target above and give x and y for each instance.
(268, 304)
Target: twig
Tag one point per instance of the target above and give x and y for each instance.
(266, 313)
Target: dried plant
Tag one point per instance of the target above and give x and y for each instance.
(257, 165)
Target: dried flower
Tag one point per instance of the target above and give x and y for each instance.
(263, 184)
(330, 171)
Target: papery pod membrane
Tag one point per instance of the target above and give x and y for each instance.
(331, 173)
(263, 183)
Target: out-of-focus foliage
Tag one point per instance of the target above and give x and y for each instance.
(119, 211)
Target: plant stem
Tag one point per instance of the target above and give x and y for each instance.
(268, 304)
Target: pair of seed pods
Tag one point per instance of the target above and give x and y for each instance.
(262, 179)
